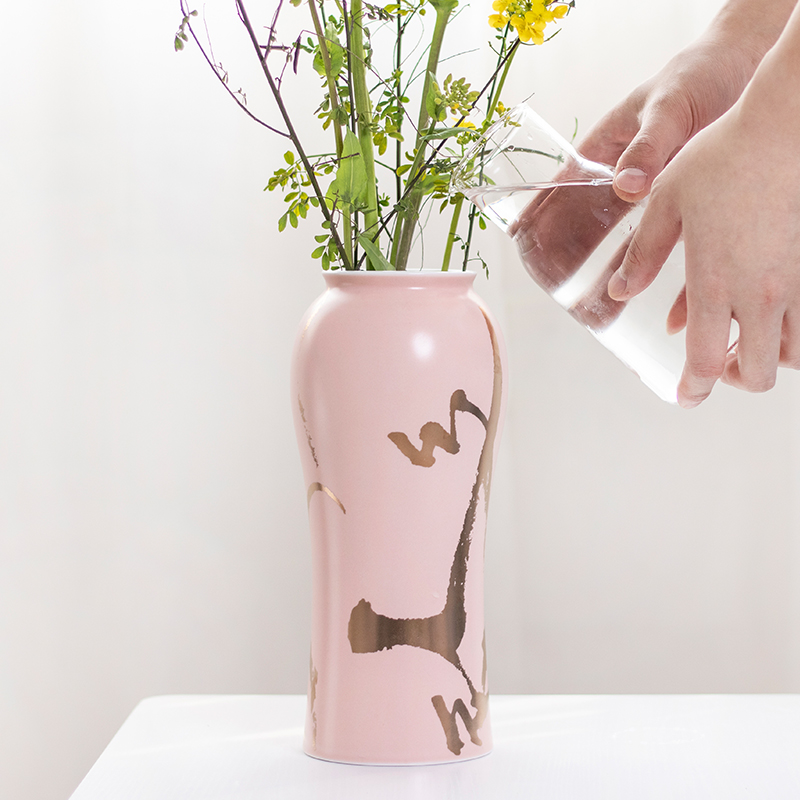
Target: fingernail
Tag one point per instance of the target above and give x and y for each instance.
(617, 286)
(631, 180)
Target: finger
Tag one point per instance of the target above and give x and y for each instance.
(790, 341)
(652, 242)
(755, 367)
(707, 333)
(663, 132)
(607, 140)
(676, 319)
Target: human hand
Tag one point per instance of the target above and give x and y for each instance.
(733, 192)
(645, 131)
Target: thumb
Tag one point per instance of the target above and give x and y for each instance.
(662, 133)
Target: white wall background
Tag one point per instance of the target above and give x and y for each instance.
(152, 514)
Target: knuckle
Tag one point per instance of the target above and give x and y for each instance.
(771, 294)
(760, 384)
(636, 257)
(661, 195)
(707, 370)
(756, 380)
(643, 152)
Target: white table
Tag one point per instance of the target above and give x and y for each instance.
(614, 747)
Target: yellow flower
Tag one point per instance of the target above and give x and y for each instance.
(529, 18)
(465, 123)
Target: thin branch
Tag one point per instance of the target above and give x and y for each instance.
(224, 84)
(293, 133)
(272, 27)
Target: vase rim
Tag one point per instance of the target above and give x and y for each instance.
(400, 272)
(408, 278)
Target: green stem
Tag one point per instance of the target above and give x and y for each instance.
(331, 81)
(407, 218)
(451, 234)
(504, 60)
(468, 241)
(494, 98)
(347, 235)
(398, 62)
(363, 114)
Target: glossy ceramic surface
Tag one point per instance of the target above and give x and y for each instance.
(397, 389)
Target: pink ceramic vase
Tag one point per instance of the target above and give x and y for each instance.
(398, 394)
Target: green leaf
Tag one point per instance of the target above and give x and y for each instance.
(322, 237)
(376, 257)
(318, 252)
(288, 157)
(444, 133)
(335, 51)
(349, 188)
(282, 223)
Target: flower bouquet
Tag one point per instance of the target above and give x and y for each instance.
(389, 156)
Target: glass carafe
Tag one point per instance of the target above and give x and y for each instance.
(572, 232)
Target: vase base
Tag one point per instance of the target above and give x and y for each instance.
(366, 763)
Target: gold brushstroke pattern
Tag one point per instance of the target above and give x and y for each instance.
(318, 487)
(447, 717)
(370, 632)
(305, 428)
(433, 435)
(312, 699)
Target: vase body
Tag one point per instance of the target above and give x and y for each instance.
(398, 393)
